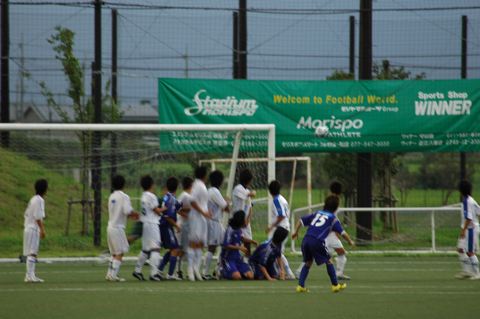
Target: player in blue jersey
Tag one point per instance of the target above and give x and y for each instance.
(233, 267)
(320, 224)
(168, 225)
(266, 261)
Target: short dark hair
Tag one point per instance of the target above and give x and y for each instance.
(172, 184)
(465, 188)
(118, 182)
(146, 182)
(331, 203)
(279, 235)
(41, 186)
(200, 172)
(238, 219)
(336, 188)
(216, 179)
(245, 177)
(187, 182)
(274, 187)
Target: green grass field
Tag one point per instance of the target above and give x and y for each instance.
(382, 287)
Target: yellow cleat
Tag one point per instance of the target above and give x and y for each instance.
(302, 289)
(339, 287)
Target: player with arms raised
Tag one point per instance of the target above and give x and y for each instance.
(242, 200)
(320, 224)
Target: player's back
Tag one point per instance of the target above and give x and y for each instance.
(232, 237)
(280, 208)
(240, 199)
(471, 211)
(119, 207)
(35, 211)
(149, 203)
(216, 203)
(170, 202)
(265, 254)
(200, 193)
(320, 224)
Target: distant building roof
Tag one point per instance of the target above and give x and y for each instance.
(142, 113)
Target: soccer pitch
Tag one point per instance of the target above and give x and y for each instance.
(382, 287)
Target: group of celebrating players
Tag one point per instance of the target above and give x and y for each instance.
(186, 225)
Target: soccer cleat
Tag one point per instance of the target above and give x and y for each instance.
(180, 274)
(197, 275)
(174, 277)
(33, 279)
(138, 275)
(463, 275)
(475, 277)
(155, 277)
(109, 277)
(338, 287)
(343, 277)
(162, 275)
(207, 277)
(191, 275)
(301, 289)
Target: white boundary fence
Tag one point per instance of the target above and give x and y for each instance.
(454, 209)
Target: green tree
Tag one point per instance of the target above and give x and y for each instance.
(63, 41)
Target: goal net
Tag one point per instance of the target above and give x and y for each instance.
(294, 174)
(67, 154)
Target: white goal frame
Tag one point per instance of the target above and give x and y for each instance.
(239, 128)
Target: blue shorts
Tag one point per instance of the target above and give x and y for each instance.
(313, 249)
(169, 240)
(258, 274)
(232, 266)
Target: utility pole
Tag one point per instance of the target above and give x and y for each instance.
(463, 155)
(242, 39)
(351, 62)
(97, 137)
(5, 74)
(235, 58)
(364, 160)
(23, 74)
(185, 57)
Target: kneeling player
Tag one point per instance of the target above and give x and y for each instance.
(233, 267)
(319, 225)
(268, 256)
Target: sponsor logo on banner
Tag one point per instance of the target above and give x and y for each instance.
(440, 104)
(331, 123)
(229, 106)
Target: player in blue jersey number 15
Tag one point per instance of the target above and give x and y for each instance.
(320, 224)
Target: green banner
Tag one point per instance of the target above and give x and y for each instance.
(361, 116)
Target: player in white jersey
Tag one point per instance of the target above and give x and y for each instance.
(198, 223)
(280, 217)
(242, 200)
(216, 206)
(34, 229)
(151, 232)
(119, 208)
(185, 199)
(468, 240)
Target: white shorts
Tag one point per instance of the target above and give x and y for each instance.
(332, 242)
(31, 241)
(117, 241)
(150, 237)
(470, 242)
(247, 232)
(215, 233)
(198, 229)
(183, 236)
